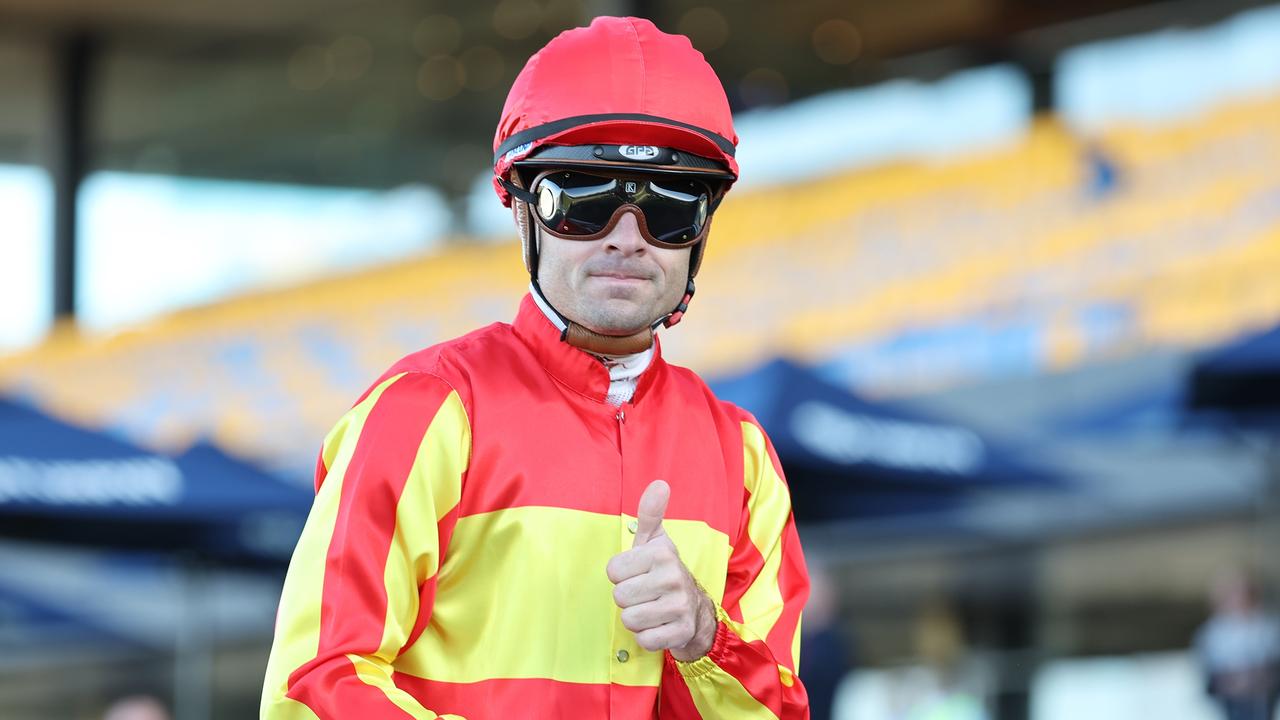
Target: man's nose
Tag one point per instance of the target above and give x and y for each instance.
(625, 236)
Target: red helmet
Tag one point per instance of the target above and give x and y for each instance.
(619, 81)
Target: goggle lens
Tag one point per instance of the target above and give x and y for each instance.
(579, 205)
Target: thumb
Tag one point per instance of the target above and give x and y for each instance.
(653, 505)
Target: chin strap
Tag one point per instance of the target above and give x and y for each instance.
(597, 344)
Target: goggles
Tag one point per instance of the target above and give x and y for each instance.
(671, 210)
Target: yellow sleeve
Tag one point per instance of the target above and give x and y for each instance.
(362, 579)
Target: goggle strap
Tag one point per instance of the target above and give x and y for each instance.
(518, 192)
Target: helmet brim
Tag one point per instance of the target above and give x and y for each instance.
(718, 151)
(643, 159)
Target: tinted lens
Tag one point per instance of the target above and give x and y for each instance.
(577, 203)
(588, 203)
(674, 209)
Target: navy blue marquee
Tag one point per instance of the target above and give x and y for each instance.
(67, 484)
(1240, 378)
(849, 458)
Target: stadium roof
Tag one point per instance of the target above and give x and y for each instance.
(348, 93)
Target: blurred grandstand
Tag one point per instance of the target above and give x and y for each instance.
(1020, 218)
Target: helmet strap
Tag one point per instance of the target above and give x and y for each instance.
(677, 314)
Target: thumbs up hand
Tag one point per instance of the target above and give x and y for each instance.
(661, 602)
(653, 505)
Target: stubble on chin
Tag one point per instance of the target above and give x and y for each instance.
(613, 315)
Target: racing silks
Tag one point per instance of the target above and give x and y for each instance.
(453, 563)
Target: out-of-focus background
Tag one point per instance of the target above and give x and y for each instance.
(1000, 279)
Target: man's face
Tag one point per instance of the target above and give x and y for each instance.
(616, 285)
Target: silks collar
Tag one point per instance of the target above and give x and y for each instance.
(570, 365)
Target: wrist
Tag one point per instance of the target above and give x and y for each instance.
(704, 633)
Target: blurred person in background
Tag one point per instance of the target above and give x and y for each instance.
(946, 690)
(824, 655)
(470, 551)
(1239, 650)
(137, 707)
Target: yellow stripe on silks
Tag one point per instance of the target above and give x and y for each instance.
(762, 603)
(708, 568)
(378, 674)
(718, 694)
(432, 490)
(329, 448)
(283, 708)
(523, 594)
(298, 641)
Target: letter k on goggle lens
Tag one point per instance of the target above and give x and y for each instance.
(580, 206)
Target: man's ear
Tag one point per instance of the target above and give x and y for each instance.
(518, 214)
(525, 228)
(529, 240)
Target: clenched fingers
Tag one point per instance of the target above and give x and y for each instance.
(638, 560)
(675, 634)
(636, 590)
(656, 613)
(649, 615)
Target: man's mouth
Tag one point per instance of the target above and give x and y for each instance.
(619, 276)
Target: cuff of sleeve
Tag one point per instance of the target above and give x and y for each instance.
(711, 660)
